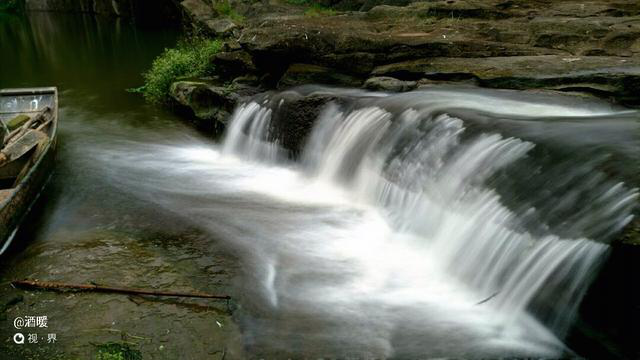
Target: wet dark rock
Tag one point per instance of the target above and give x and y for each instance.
(246, 81)
(203, 16)
(631, 234)
(300, 74)
(211, 104)
(221, 27)
(386, 83)
(293, 121)
(198, 10)
(230, 64)
(606, 326)
(612, 77)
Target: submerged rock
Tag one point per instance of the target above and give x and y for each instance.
(387, 83)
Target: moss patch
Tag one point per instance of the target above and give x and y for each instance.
(17, 121)
(316, 10)
(189, 59)
(117, 351)
(224, 8)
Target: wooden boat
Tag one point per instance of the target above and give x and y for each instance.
(28, 129)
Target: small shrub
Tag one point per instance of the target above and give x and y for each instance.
(188, 59)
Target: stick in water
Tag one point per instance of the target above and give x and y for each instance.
(489, 298)
(46, 285)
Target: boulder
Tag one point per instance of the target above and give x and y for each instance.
(387, 83)
(198, 10)
(221, 27)
(210, 101)
(295, 118)
(301, 74)
(230, 64)
(211, 104)
(204, 16)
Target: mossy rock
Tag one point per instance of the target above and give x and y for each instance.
(17, 121)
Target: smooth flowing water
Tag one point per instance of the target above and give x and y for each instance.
(448, 222)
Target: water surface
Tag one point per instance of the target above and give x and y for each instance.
(84, 228)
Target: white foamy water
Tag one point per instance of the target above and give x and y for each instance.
(394, 233)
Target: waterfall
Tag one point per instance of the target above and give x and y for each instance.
(435, 174)
(438, 223)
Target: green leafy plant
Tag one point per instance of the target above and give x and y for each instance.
(189, 59)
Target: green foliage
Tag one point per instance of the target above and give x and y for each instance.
(316, 10)
(116, 351)
(11, 5)
(299, 2)
(188, 59)
(223, 7)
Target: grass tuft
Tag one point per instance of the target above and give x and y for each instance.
(189, 59)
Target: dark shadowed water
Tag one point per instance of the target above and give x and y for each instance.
(86, 230)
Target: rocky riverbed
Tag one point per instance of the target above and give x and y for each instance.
(584, 47)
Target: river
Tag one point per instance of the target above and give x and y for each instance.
(87, 229)
(438, 223)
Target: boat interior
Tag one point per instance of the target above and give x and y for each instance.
(26, 125)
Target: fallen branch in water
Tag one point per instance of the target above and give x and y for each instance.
(45, 285)
(489, 298)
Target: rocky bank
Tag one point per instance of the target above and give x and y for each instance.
(586, 48)
(590, 48)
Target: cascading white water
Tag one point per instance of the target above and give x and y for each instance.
(406, 228)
